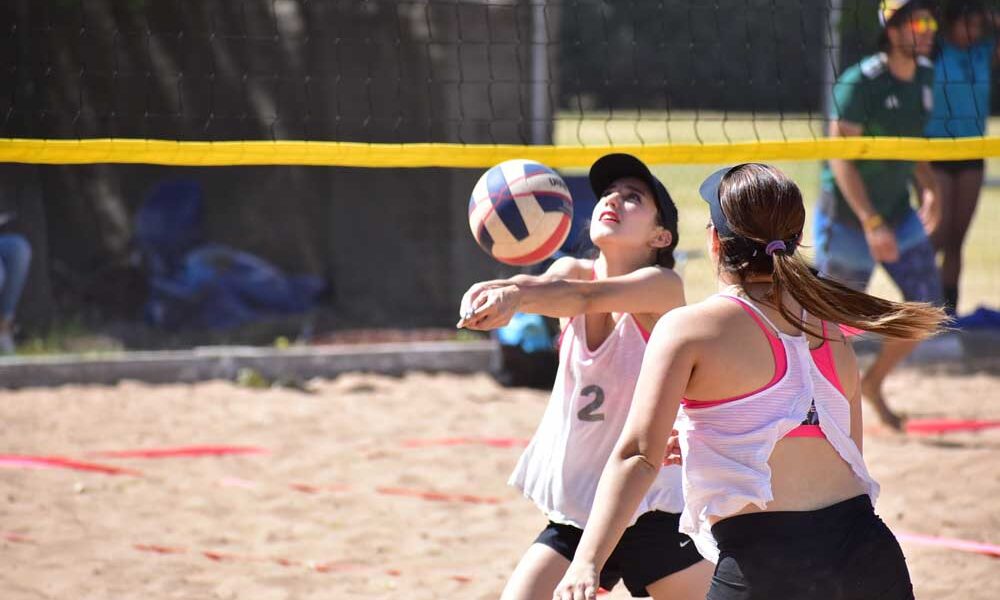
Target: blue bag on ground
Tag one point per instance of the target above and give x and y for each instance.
(528, 355)
(527, 332)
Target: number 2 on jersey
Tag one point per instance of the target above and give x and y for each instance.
(588, 412)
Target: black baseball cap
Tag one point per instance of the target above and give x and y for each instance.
(709, 191)
(612, 167)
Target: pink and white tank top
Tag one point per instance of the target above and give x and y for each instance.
(726, 444)
(590, 400)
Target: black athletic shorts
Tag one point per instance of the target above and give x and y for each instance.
(956, 166)
(648, 551)
(842, 552)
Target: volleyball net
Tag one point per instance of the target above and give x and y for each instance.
(407, 101)
(436, 83)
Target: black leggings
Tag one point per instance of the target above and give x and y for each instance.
(842, 552)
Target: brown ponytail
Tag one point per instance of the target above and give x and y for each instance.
(838, 303)
(762, 205)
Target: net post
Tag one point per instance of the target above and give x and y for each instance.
(539, 74)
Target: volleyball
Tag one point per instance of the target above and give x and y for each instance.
(520, 212)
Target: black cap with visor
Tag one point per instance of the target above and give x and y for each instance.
(612, 167)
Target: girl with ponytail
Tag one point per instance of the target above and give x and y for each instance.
(766, 395)
(760, 239)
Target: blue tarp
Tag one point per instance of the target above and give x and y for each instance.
(578, 240)
(981, 318)
(205, 285)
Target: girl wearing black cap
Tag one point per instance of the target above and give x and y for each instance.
(776, 489)
(607, 306)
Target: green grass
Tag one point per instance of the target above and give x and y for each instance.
(632, 127)
(980, 283)
(69, 336)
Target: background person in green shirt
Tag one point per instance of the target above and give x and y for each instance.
(864, 215)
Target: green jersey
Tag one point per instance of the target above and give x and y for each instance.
(869, 95)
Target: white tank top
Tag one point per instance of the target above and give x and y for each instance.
(562, 464)
(726, 444)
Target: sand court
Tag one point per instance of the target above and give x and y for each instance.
(377, 487)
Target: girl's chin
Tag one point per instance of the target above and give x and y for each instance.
(605, 239)
(601, 231)
(600, 237)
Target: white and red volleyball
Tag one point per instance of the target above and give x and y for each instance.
(520, 212)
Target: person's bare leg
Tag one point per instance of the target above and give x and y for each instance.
(963, 207)
(947, 184)
(536, 575)
(891, 354)
(690, 584)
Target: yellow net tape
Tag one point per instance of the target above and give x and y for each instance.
(351, 154)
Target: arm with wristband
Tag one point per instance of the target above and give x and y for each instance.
(930, 197)
(848, 114)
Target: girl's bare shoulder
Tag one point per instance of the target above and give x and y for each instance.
(701, 320)
(569, 267)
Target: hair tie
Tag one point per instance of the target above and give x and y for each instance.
(775, 246)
